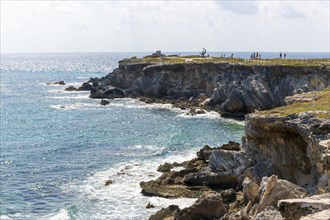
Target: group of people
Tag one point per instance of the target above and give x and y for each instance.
(224, 55)
(284, 55)
(255, 55)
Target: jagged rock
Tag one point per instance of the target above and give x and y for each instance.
(208, 206)
(166, 167)
(168, 213)
(205, 177)
(250, 190)
(205, 152)
(273, 189)
(270, 213)
(296, 208)
(85, 87)
(288, 146)
(104, 102)
(322, 215)
(229, 163)
(150, 206)
(231, 146)
(71, 88)
(106, 92)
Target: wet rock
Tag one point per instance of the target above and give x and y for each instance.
(166, 167)
(71, 88)
(296, 208)
(150, 206)
(85, 87)
(57, 83)
(104, 102)
(168, 213)
(106, 92)
(108, 182)
(208, 206)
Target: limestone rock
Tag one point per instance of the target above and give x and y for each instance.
(273, 189)
(168, 213)
(322, 215)
(296, 208)
(228, 196)
(228, 163)
(250, 190)
(208, 206)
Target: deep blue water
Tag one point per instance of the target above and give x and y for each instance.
(58, 148)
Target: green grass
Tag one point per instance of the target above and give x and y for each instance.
(319, 108)
(196, 59)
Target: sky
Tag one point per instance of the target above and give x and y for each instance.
(141, 26)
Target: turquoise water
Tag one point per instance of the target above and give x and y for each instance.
(58, 148)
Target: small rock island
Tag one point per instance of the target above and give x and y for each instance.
(280, 170)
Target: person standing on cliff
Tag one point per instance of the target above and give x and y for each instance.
(280, 55)
(285, 56)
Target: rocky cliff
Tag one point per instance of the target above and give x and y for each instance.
(284, 158)
(232, 89)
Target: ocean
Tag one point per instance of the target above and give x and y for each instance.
(58, 148)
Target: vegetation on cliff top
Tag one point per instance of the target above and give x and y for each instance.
(197, 59)
(318, 104)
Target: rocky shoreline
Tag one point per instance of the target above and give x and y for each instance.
(280, 171)
(232, 89)
(281, 168)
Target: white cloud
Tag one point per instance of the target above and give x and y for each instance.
(83, 26)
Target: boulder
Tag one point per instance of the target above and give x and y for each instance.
(205, 177)
(273, 189)
(296, 208)
(168, 213)
(166, 167)
(208, 206)
(57, 83)
(85, 87)
(104, 102)
(228, 196)
(229, 163)
(250, 190)
(231, 146)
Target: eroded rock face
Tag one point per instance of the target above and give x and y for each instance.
(296, 208)
(322, 215)
(288, 146)
(233, 89)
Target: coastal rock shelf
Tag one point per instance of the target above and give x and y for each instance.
(230, 88)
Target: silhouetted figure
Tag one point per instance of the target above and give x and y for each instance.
(285, 56)
(280, 55)
(232, 55)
